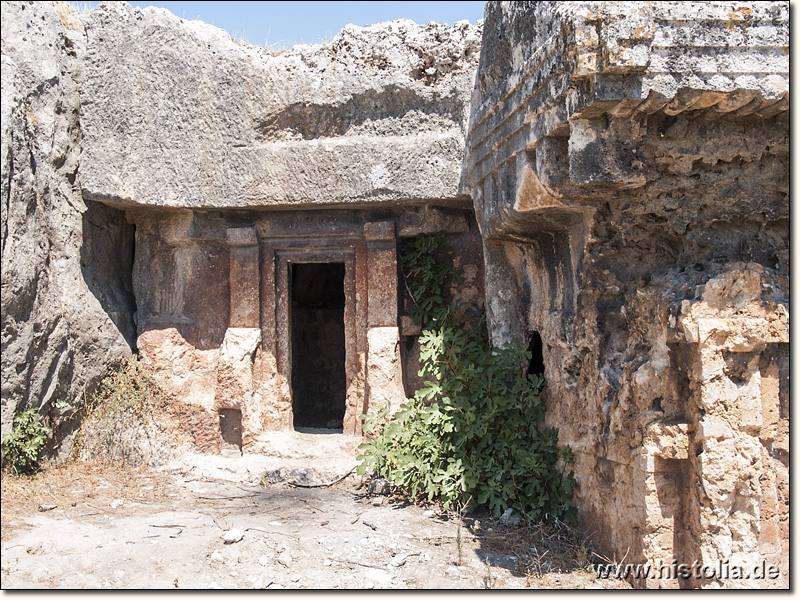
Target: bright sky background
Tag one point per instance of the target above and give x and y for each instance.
(284, 24)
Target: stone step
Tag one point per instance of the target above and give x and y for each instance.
(307, 457)
(310, 444)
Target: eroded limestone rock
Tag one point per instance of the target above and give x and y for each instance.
(176, 113)
(629, 168)
(67, 307)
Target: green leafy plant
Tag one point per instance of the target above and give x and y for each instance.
(428, 278)
(22, 446)
(473, 433)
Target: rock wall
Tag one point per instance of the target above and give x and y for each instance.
(215, 304)
(176, 113)
(626, 165)
(629, 167)
(217, 150)
(66, 292)
(189, 162)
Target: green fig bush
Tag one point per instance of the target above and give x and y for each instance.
(473, 435)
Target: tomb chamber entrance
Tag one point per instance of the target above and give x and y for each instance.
(284, 320)
(318, 381)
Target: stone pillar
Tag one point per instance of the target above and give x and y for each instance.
(659, 480)
(384, 374)
(244, 277)
(504, 311)
(235, 385)
(382, 271)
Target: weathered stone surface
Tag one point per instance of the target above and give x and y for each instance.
(592, 83)
(382, 268)
(740, 339)
(233, 535)
(378, 114)
(67, 305)
(384, 373)
(185, 332)
(175, 115)
(244, 268)
(629, 167)
(379, 487)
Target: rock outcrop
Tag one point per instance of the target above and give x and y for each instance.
(629, 164)
(67, 303)
(618, 181)
(162, 127)
(176, 113)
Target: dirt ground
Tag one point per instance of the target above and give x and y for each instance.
(125, 528)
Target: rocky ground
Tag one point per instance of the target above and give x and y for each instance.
(203, 522)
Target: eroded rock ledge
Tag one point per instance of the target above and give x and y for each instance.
(126, 132)
(176, 113)
(629, 167)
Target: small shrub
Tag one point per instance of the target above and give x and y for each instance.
(473, 433)
(22, 447)
(428, 278)
(127, 388)
(121, 417)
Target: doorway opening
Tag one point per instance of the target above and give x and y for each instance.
(230, 429)
(319, 382)
(536, 348)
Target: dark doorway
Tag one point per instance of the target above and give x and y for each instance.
(536, 348)
(319, 385)
(230, 428)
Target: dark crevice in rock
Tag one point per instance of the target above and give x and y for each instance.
(536, 348)
(107, 255)
(7, 194)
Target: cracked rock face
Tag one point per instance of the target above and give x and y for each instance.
(627, 164)
(66, 303)
(176, 113)
(622, 188)
(119, 108)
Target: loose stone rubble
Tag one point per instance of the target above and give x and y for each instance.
(612, 177)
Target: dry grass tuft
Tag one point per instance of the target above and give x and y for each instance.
(70, 13)
(78, 483)
(540, 548)
(131, 420)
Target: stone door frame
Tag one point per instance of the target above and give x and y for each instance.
(277, 258)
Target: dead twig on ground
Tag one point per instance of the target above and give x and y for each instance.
(311, 506)
(224, 497)
(178, 527)
(294, 537)
(353, 562)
